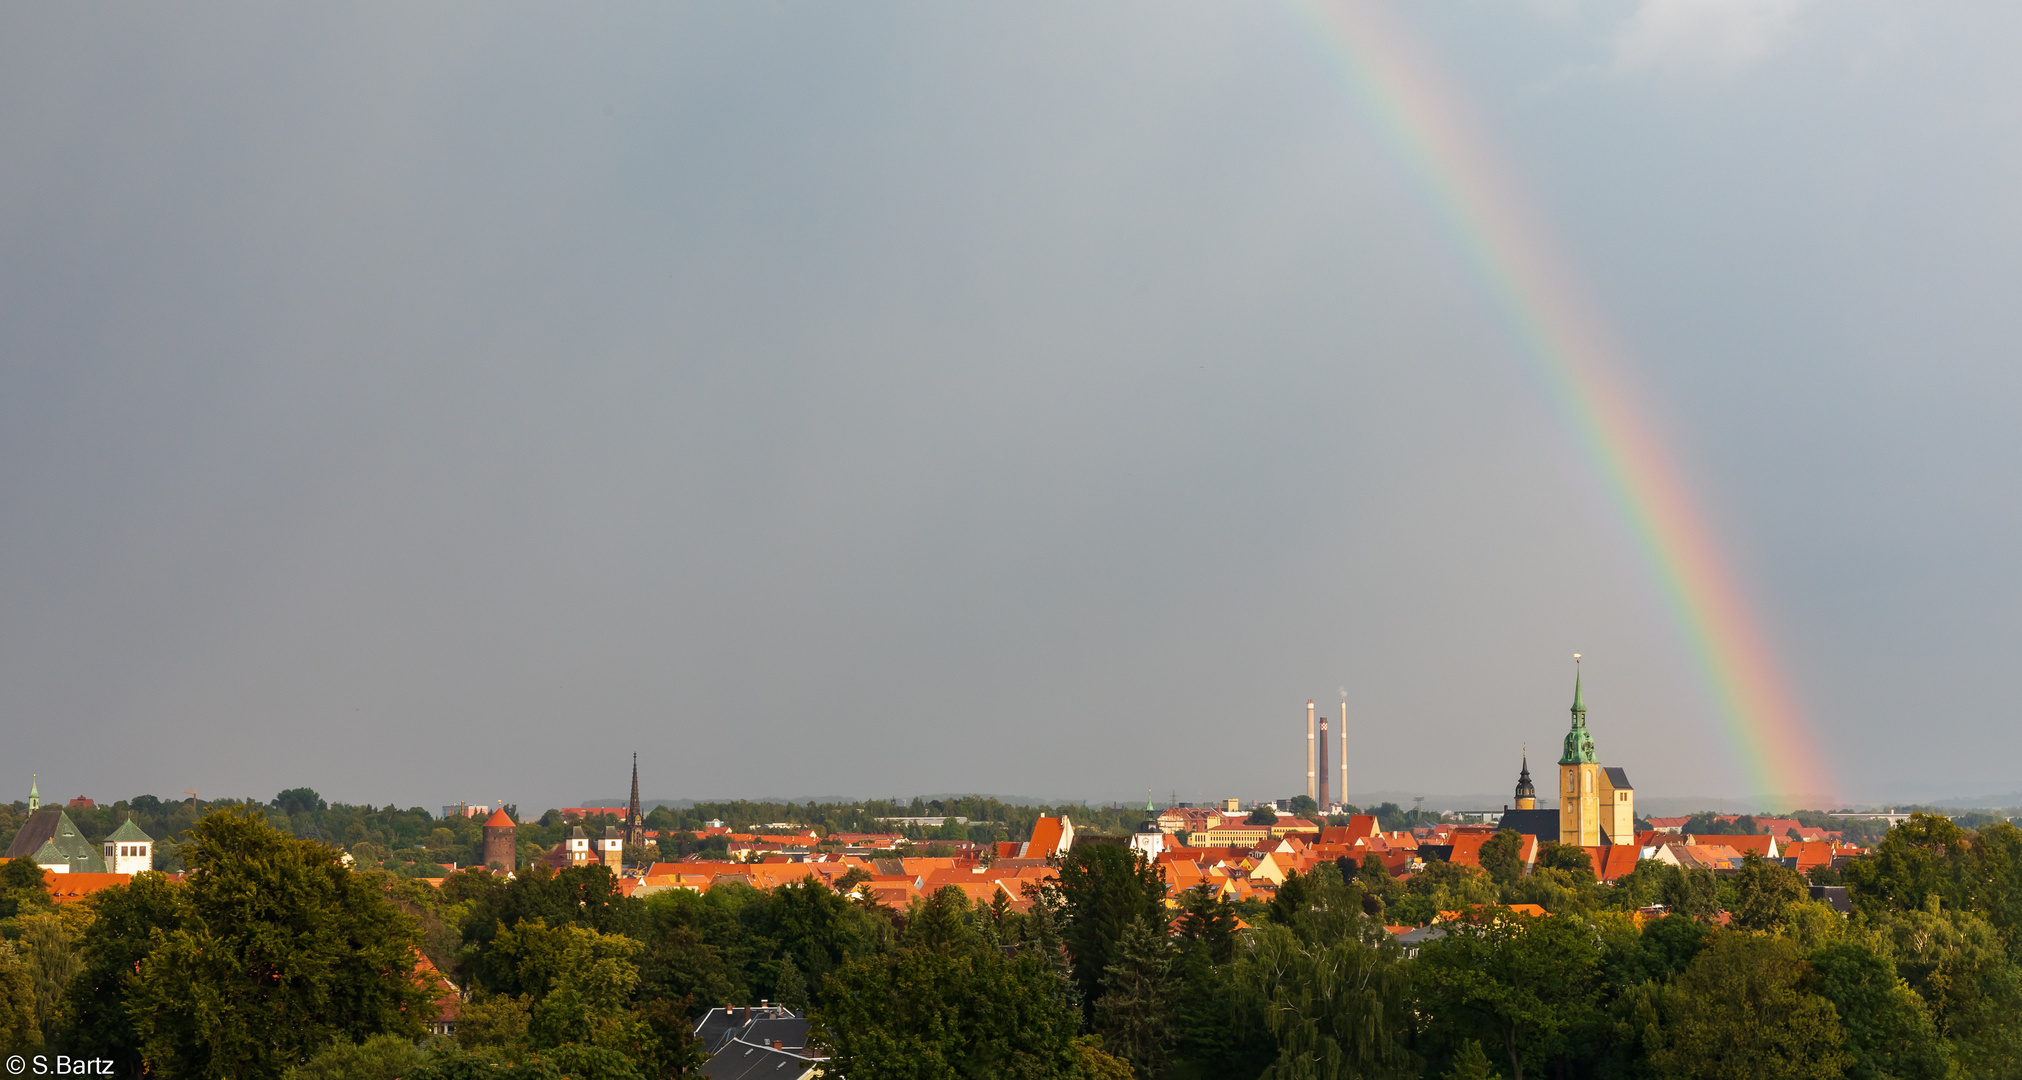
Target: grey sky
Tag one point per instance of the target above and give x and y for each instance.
(444, 402)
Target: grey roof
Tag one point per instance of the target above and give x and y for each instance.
(749, 1061)
(1618, 777)
(719, 1026)
(1543, 824)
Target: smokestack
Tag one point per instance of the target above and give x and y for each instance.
(1322, 797)
(1312, 774)
(1341, 737)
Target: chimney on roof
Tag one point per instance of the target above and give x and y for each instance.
(777, 1045)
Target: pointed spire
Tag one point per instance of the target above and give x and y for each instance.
(34, 796)
(1579, 744)
(1579, 708)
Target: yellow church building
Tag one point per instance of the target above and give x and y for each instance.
(1596, 804)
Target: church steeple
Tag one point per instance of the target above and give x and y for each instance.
(635, 829)
(1526, 793)
(34, 796)
(1579, 743)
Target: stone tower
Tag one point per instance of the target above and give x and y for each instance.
(501, 847)
(1526, 793)
(1579, 781)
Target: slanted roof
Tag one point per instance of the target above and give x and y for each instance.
(499, 818)
(1543, 824)
(129, 833)
(1617, 777)
(749, 1061)
(66, 888)
(49, 837)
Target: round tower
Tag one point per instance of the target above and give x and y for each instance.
(501, 840)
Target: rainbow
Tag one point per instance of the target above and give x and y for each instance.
(1512, 259)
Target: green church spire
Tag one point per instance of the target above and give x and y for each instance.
(1579, 743)
(34, 796)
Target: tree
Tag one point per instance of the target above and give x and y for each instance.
(1764, 892)
(1208, 922)
(577, 978)
(788, 988)
(1693, 893)
(1103, 890)
(122, 933)
(1889, 1034)
(1470, 1063)
(1262, 815)
(933, 1014)
(21, 888)
(1502, 857)
(1571, 858)
(52, 959)
(1335, 1010)
(281, 950)
(1918, 859)
(18, 1030)
(1741, 1012)
(1302, 806)
(1526, 981)
(381, 1057)
(1135, 1012)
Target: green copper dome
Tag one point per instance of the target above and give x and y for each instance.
(1579, 743)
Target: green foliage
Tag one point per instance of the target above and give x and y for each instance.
(1103, 889)
(1262, 815)
(788, 988)
(21, 888)
(1570, 858)
(381, 1057)
(52, 959)
(1207, 922)
(1302, 806)
(1741, 1011)
(18, 1030)
(1502, 857)
(942, 1012)
(1135, 1012)
(577, 977)
(1957, 965)
(1469, 1063)
(1921, 858)
(122, 933)
(1525, 982)
(1764, 892)
(1889, 1033)
(276, 949)
(1335, 1009)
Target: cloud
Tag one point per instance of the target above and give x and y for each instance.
(1705, 36)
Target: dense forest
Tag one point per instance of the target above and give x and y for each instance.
(272, 959)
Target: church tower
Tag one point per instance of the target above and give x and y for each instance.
(635, 826)
(1579, 781)
(1526, 792)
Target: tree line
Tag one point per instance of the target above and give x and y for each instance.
(274, 958)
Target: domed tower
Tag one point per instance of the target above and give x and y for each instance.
(1526, 793)
(501, 840)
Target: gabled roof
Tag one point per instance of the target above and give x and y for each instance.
(1619, 778)
(65, 888)
(49, 837)
(129, 833)
(1543, 824)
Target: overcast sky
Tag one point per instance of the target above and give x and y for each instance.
(438, 402)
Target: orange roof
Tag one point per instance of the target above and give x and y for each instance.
(1762, 845)
(1612, 862)
(1046, 833)
(498, 817)
(66, 888)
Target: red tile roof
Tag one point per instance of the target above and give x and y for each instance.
(498, 817)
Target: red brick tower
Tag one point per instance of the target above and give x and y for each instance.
(501, 840)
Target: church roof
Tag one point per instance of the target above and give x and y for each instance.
(1543, 824)
(1618, 777)
(50, 835)
(129, 833)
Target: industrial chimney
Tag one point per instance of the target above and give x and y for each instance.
(1312, 773)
